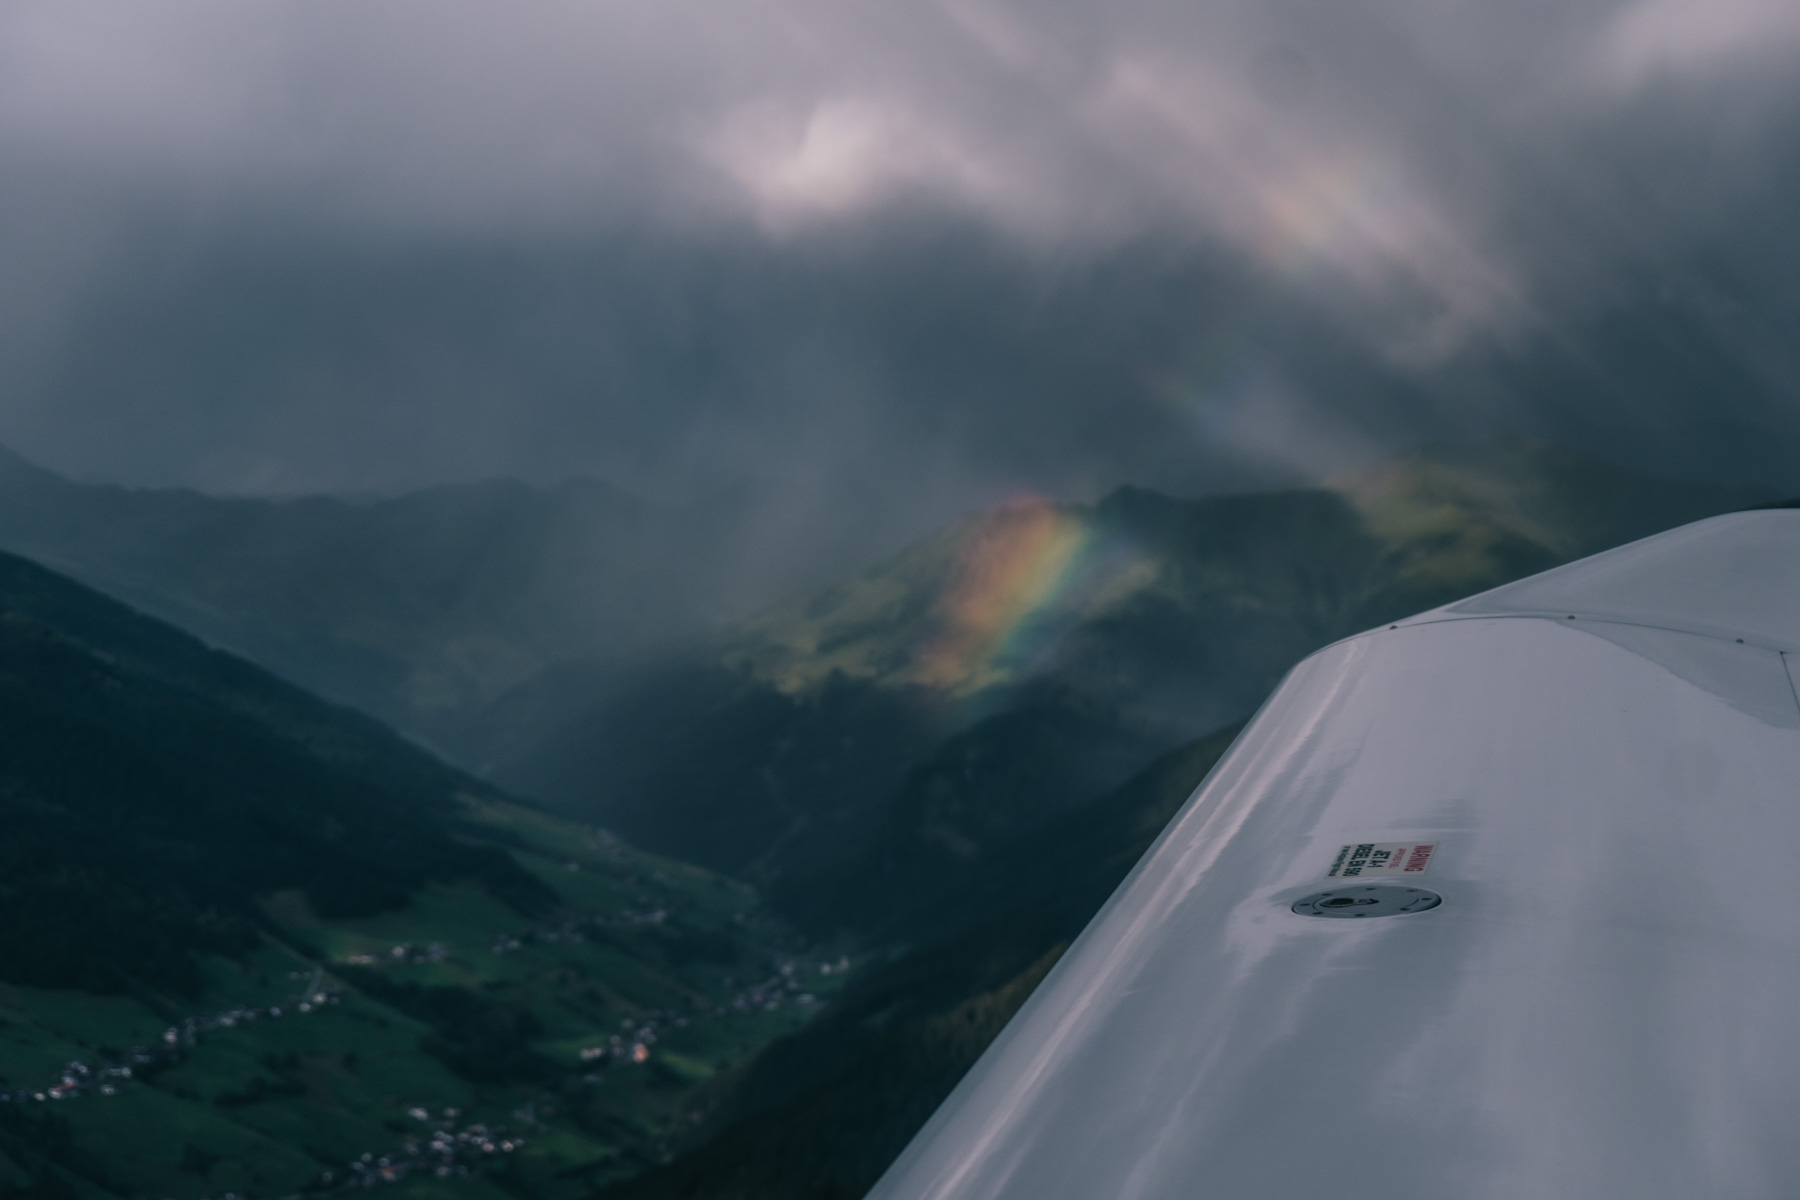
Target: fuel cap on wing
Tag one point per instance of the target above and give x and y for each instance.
(1370, 900)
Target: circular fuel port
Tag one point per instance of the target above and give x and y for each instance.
(1370, 900)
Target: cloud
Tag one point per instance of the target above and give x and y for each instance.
(1685, 38)
(847, 155)
(919, 255)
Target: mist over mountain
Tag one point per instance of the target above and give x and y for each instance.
(416, 607)
(1038, 654)
(552, 638)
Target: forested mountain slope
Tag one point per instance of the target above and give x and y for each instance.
(251, 937)
(821, 1114)
(410, 607)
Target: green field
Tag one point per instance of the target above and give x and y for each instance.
(452, 1045)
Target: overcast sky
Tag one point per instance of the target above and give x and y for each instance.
(892, 258)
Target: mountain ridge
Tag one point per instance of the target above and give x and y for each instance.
(1156, 616)
(407, 606)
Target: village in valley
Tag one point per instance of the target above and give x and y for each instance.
(618, 1012)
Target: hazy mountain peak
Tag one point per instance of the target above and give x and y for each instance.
(1499, 510)
(967, 609)
(409, 606)
(1032, 586)
(18, 471)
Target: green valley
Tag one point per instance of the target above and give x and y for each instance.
(257, 944)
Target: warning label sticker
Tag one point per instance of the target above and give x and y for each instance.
(1381, 858)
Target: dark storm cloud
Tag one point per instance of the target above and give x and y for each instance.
(890, 260)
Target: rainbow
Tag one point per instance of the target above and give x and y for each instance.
(1020, 580)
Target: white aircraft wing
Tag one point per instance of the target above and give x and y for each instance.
(1502, 901)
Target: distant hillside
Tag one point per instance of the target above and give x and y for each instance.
(905, 707)
(412, 608)
(1116, 588)
(255, 942)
